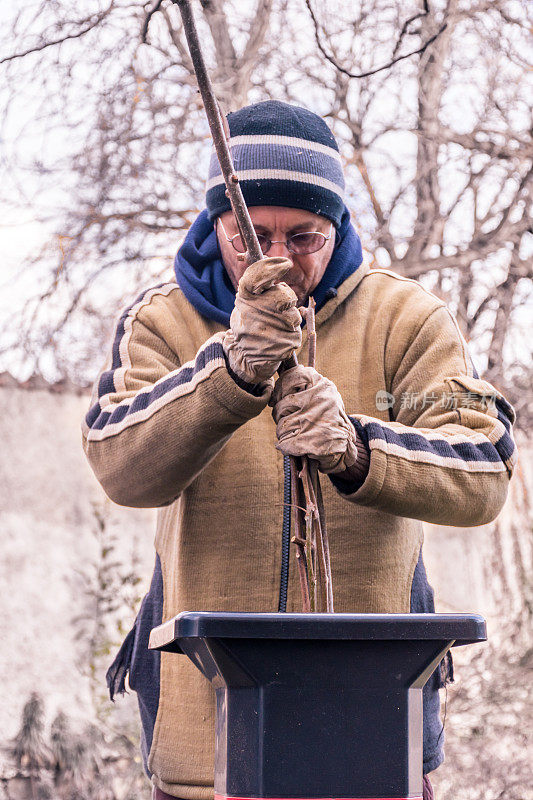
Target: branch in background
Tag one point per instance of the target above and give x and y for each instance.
(131, 182)
(175, 38)
(393, 61)
(517, 271)
(217, 21)
(91, 21)
(514, 148)
(237, 93)
(146, 24)
(257, 31)
(406, 24)
(461, 259)
(386, 240)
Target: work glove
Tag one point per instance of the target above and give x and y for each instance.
(264, 324)
(311, 420)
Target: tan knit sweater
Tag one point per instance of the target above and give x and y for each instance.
(168, 427)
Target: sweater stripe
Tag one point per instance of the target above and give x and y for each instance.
(106, 417)
(473, 453)
(112, 379)
(112, 419)
(505, 443)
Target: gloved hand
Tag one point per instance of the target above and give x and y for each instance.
(311, 420)
(265, 323)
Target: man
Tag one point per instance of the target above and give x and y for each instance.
(395, 415)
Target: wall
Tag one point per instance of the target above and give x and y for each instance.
(48, 522)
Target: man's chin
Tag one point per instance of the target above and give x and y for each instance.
(301, 294)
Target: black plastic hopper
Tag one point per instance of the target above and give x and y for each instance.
(317, 705)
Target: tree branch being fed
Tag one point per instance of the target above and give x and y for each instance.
(311, 538)
(315, 573)
(394, 59)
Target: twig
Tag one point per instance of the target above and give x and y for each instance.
(322, 581)
(298, 541)
(324, 535)
(299, 538)
(313, 472)
(384, 66)
(312, 547)
(150, 14)
(92, 22)
(311, 331)
(305, 473)
(309, 475)
(406, 24)
(311, 519)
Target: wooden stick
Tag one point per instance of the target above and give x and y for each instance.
(216, 125)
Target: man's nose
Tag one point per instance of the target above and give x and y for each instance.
(279, 249)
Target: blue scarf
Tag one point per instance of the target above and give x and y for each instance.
(205, 283)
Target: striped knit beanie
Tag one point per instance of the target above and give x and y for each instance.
(284, 155)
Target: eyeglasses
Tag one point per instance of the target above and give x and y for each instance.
(301, 244)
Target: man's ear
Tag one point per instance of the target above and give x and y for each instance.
(215, 228)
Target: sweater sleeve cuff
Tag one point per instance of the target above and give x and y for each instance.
(358, 471)
(256, 389)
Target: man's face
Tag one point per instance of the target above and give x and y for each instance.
(278, 223)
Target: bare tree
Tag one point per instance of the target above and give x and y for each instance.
(455, 213)
(437, 150)
(137, 126)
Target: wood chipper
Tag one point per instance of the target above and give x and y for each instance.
(317, 705)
